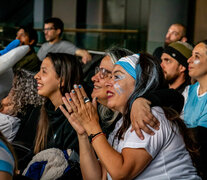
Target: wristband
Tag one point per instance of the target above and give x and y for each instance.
(92, 136)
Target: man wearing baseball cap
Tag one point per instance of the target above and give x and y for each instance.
(174, 64)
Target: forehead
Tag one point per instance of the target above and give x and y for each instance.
(106, 63)
(200, 48)
(5, 101)
(49, 25)
(21, 31)
(47, 63)
(119, 69)
(167, 56)
(176, 28)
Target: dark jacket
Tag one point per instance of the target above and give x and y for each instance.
(61, 134)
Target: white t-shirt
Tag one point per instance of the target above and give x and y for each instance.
(170, 160)
(9, 126)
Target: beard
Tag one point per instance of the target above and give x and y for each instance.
(167, 42)
(170, 79)
(50, 38)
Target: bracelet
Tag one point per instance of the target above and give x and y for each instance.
(93, 136)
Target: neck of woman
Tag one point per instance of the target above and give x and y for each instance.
(56, 100)
(203, 86)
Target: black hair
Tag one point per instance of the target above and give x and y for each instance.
(69, 70)
(57, 22)
(32, 34)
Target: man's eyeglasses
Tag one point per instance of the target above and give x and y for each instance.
(104, 73)
(49, 29)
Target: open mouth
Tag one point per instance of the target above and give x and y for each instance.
(109, 94)
(39, 86)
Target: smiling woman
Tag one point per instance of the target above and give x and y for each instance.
(124, 155)
(57, 75)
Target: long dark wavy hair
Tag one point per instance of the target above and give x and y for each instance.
(151, 78)
(69, 70)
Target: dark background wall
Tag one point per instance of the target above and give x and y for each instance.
(16, 12)
(151, 18)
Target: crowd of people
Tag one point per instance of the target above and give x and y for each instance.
(144, 118)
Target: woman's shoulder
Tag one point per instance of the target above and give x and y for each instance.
(167, 128)
(8, 120)
(6, 159)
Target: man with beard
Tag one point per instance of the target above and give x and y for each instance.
(53, 29)
(174, 65)
(28, 36)
(176, 32)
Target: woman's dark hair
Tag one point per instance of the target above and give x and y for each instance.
(149, 78)
(57, 23)
(69, 70)
(31, 32)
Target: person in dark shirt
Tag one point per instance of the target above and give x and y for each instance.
(174, 65)
(28, 36)
(58, 73)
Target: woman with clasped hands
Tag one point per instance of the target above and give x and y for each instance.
(124, 155)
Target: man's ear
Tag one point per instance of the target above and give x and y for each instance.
(58, 31)
(184, 39)
(182, 68)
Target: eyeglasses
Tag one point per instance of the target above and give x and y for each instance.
(49, 29)
(104, 73)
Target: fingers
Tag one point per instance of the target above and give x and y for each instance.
(72, 119)
(67, 105)
(79, 95)
(145, 128)
(70, 103)
(157, 123)
(146, 105)
(64, 112)
(82, 94)
(152, 121)
(139, 133)
(82, 91)
(94, 102)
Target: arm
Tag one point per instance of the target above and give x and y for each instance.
(127, 164)
(5, 176)
(141, 115)
(86, 57)
(166, 97)
(88, 160)
(10, 46)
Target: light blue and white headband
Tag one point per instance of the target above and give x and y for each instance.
(129, 64)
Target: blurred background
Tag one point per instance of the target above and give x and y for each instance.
(139, 25)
